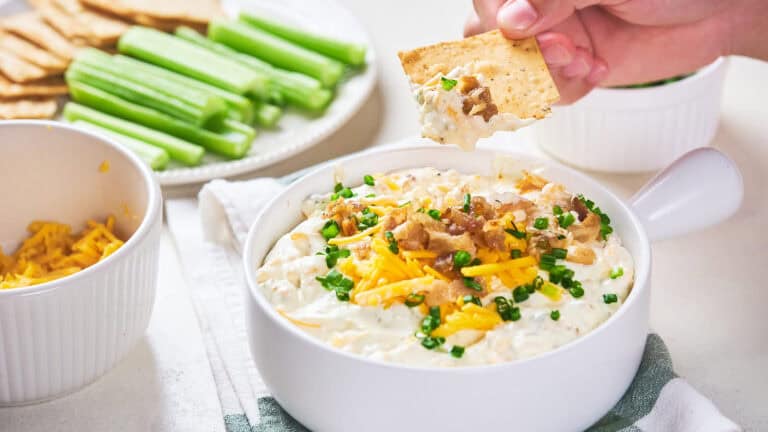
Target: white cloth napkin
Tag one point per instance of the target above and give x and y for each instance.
(210, 234)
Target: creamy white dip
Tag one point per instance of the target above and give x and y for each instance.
(442, 118)
(288, 280)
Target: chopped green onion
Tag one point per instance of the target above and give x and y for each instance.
(617, 272)
(346, 193)
(405, 204)
(330, 229)
(457, 351)
(520, 294)
(516, 253)
(559, 253)
(434, 214)
(547, 261)
(335, 281)
(475, 262)
(576, 290)
(430, 322)
(368, 219)
(434, 312)
(555, 315)
(515, 232)
(432, 343)
(448, 83)
(414, 299)
(338, 187)
(610, 298)
(368, 179)
(566, 220)
(371, 195)
(505, 309)
(471, 283)
(541, 223)
(557, 210)
(392, 242)
(332, 254)
(461, 258)
(472, 299)
(467, 203)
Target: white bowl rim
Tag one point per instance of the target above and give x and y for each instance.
(698, 75)
(151, 214)
(640, 284)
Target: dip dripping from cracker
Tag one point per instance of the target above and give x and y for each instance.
(469, 89)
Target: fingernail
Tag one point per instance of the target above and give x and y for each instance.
(517, 15)
(556, 55)
(577, 68)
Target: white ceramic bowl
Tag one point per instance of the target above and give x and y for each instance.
(567, 389)
(636, 130)
(59, 336)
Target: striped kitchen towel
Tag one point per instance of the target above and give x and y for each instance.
(657, 401)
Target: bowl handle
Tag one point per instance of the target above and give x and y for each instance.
(701, 188)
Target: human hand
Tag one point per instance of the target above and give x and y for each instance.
(587, 43)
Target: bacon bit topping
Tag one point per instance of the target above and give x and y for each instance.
(531, 182)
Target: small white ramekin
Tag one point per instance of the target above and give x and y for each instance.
(636, 130)
(57, 337)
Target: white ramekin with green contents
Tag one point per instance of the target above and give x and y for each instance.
(638, 128)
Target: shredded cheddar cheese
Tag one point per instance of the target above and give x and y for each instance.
(390, 291)
(391, 184)
(338, 241)
(470, 317)
(295, 321)
(52, 252)
(104, 166)
(491, 269)
(431, 271)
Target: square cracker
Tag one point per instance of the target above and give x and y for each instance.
(31, 53)
(46, 87)
(20, 70)
(188, 11)
(168, 25)
(37, 108)
(516, 74)
(75, 21)
(30, 26)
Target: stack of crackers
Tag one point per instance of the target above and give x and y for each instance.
(37, 46)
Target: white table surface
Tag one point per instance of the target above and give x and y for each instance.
(709, 298)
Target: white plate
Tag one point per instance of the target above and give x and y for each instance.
(295, 132)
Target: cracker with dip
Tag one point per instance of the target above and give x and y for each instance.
(471, 88)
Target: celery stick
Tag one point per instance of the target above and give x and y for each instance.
(187, 59)
(298, 89)
(234, 101)
(180, 150)
(235, 115)
(232, 139)
(211, 106)
(136, 92)
(276, 51)
(267, 115)
(349, 53)
(155, 157)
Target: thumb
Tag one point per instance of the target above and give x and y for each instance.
(523, 18)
